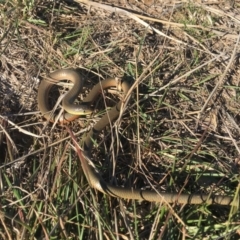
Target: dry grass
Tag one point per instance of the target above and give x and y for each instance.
(180, 130)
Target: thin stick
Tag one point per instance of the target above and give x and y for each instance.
(130, 15)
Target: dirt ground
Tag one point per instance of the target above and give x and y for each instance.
(179, 132)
